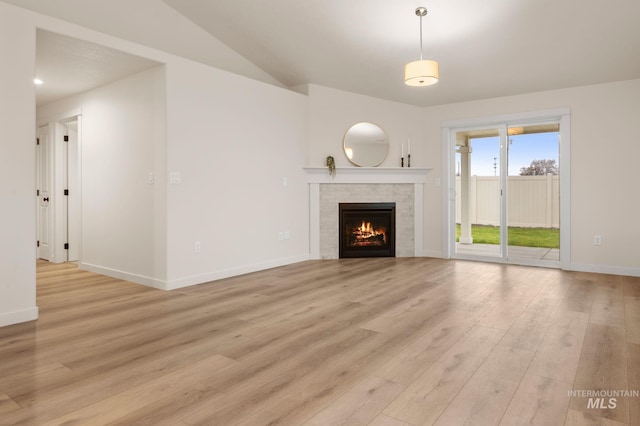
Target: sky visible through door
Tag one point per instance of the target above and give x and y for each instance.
(522, 150)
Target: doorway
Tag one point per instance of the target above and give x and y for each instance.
(506, 201)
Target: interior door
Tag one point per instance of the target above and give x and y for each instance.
(73, 187)
(43, 192)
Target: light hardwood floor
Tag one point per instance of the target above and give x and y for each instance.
(395, 341)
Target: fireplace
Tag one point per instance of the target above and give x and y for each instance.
(367, 229)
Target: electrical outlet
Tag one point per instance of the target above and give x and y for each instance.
(287, 235)
(280, 236)
(597, 240)
(197, 247)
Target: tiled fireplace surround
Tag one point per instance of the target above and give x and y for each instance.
(404, 186)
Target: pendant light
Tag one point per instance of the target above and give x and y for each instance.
(422, 72)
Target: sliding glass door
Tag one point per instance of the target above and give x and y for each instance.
(507, 192)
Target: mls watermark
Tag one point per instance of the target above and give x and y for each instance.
(603, 399)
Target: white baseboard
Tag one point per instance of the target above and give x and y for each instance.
(579, 267)
(232, 272)
(604, 269)
(122, 275)
(193, 280)
(226, 273)
(15, 317)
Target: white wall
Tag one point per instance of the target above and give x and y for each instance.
(123, 140)
(332, 112)
(233, 141)
(604, 153)
(17, 170)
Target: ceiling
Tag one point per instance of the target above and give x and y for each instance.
(69, 66)
(485, 49)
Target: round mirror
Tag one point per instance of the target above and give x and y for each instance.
(366, 144)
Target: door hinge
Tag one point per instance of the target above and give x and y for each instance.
(66, 246)
(37, 243)
(66, 192)
(37, 141)
(66, 138)
(37, 192)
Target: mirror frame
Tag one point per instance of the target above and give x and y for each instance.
(374, 163)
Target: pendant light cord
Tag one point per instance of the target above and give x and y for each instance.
(420, 37)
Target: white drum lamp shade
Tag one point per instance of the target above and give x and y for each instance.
(421, 73)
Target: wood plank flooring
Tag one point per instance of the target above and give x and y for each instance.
(393, 341)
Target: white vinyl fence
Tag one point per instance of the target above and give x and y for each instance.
(533, 201)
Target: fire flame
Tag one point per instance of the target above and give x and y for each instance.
(366, 232)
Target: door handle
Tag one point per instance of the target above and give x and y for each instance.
(45, 199)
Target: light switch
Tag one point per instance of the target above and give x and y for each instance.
(175, 178)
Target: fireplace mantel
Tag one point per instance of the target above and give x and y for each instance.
(367, 175)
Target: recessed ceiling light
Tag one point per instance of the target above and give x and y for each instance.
(37, 81)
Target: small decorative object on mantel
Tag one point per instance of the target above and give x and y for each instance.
(331, 164)
(402, 155)
(408, 152)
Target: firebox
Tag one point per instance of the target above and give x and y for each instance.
(367, 229)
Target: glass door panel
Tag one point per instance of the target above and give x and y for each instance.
(478, 208)
(533, 192)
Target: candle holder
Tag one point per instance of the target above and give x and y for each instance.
(408, 160)
(401, 161)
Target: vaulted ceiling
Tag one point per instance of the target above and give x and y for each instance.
(485, 49)
(69, 66)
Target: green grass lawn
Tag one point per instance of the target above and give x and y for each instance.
(524, 237)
